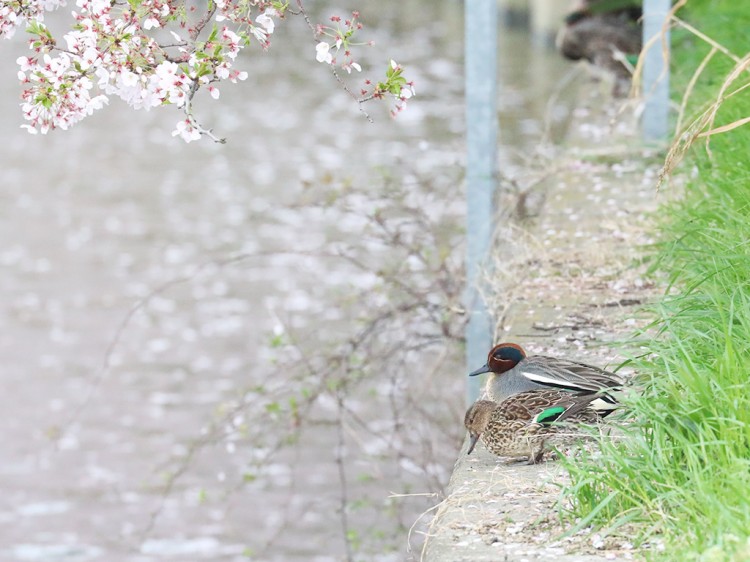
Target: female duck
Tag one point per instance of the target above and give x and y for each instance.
(521, 425)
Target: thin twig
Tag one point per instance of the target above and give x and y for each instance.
(141, 303)
(360, 101)
(343, 487)
(174, 476)
(201, 23)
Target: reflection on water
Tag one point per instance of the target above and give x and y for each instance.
(201, 441)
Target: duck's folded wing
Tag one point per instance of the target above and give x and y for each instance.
(567, 375)
(525, 405)
(583, 409)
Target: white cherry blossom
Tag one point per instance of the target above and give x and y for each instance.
(323, 53)
(186, 131)
(266, 21)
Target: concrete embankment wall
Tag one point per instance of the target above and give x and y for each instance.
(565, 285)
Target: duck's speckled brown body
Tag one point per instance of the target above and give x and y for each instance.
(520, 426)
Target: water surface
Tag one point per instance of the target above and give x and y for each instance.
(205, 425)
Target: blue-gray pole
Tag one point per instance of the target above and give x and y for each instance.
(655, 88)
(480, 18)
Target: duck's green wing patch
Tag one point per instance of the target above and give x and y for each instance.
(549, 415)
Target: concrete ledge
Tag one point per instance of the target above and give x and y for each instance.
(565, 284)
(501, 512)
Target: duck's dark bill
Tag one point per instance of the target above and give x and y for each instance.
(472, 443)
(480, 370)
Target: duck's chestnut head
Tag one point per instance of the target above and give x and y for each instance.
(503, 357)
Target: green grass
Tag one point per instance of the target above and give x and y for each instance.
(681, 470)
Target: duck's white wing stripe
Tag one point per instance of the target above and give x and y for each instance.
(540, 378)
(567, 379)
(565, 382)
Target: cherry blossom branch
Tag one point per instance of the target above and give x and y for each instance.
(202, 22)
(341, 82)
(192, 122)
(111, 51)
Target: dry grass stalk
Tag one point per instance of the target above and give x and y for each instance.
(703, 125)
(691, 86)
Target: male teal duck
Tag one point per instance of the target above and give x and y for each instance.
(521, 426)
(513, 372)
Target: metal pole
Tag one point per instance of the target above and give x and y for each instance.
(655, 88)
(481, 19)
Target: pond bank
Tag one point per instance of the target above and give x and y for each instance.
(566, 284)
